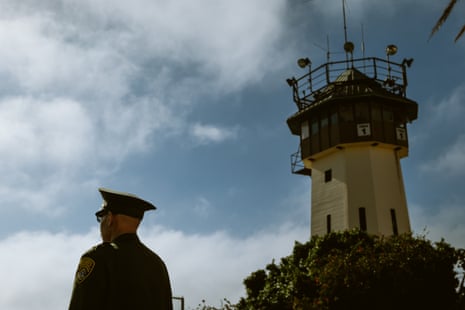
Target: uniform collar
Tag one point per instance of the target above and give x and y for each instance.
(126, 238)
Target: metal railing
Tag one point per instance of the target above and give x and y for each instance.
(180, 299)
(381, 73)
(297, 165)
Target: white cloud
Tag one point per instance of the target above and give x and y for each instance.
(58, 131)
(446, 120)
(446, 222)
(213, 266)
(86, 84)
(205, 134)
(451, 108)
(202, 206)
(451, 162)
(37, 58)
(226, 39)
(47, 144)
(300, 198)
(223, 40)
(41, 144)
(40, 266)
(357, 10)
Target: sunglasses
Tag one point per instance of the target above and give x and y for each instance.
(101, 215)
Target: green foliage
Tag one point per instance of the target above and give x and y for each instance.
(354, 270)
(226, 305)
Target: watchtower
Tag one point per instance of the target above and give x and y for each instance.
(352, 122)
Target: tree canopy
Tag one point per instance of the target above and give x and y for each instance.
(354, 270)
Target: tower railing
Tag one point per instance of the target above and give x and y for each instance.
(297, 165)
(388, 75)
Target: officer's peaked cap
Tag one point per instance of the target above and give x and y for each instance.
(123, 203)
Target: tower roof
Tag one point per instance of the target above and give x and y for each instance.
(353, 82)
(351, 74)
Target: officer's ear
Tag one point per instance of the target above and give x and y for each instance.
(110, 218)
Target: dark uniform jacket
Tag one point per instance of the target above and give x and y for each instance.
(123, 274)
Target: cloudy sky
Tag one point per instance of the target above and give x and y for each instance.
(185, 103)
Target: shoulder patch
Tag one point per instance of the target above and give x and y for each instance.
(86, 265)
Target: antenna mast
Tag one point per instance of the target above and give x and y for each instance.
(345, 23)
(327, 50)
(363, 41)
(363, 47)
(328, 53)
(348, 46)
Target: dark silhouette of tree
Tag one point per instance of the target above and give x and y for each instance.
(354, 270)
(443, 18)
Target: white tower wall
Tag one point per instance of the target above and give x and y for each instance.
(361, 176)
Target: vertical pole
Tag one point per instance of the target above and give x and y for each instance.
(345, 26)
(363, 48)
(181, 299)
(375, 71)
(344, 16)
(310, 86)
(328, 53)
(404, 80)
(327, 73)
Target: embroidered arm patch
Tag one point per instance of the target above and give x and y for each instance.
(86, 265)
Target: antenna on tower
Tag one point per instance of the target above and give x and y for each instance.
(345, 22)
(363, 47)
(363, 41)
(348, 46)
(327, 50)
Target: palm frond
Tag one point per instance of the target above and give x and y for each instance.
(443, 18)
(462, 31)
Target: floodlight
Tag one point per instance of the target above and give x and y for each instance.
(391, 49)
(349, 47)
(303, 62)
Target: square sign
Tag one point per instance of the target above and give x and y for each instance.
(401, 135)
(363, 129)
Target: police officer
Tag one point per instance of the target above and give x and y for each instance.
(121, 273)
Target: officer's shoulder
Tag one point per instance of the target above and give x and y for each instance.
(102, 248)
(93, 259)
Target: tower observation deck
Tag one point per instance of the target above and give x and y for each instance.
(352, 121)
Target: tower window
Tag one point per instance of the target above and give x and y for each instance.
(362, 113)
(328, 223)
(305, 130)
(324, 122)
(395, 230)
(315, 126)
(387, 114)
(328, 175)
(334, 119)
(362, 219)
(376, 112)
(347, 114)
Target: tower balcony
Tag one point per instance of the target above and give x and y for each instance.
(356, 102)
(348, 78)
